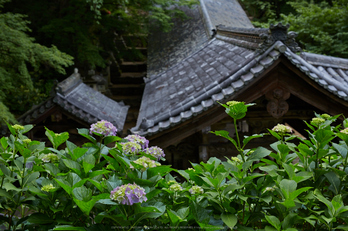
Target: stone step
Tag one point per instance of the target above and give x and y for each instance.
(139, 66)
(133, 74)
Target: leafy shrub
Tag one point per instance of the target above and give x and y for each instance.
(119, 184)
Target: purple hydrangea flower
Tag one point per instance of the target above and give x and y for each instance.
(138, 139)
(128, 194)
(155, 152)
(103, 127)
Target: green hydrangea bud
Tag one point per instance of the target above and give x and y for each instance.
(281, 128)
(196, 190)
(325, 116)
(236, 160)
(317, 121)
(232, 103)
(50, 158)
(175, 187)
(269, 189)
(146, 163)
(26, 141)
(48, 188)
(17, 127)
(345, 131)
(171, 182)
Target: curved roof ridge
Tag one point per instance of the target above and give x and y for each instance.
(241, 30)
(208, 23)
(324, 60)
(308, 67)
(225, 12)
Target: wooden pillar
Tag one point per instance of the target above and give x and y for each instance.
(203, 148)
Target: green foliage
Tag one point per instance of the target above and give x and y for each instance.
(20, 57)
(98, 32)
(264, 12)
(6, 114)
(95, 32)
(260, 189)
(321, 24)
(322, 27)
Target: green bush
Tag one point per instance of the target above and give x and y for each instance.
(110, 183)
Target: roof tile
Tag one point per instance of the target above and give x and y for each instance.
(238, 84)
(186, 115)
(313, 75)
(175, 120)
(247, 77)
(267, 61)
(163, 125)
(217, 97)
(207, 104)
(323, 83)
(228, 91)
(274, 54)
(342, 94)
(197, 109)
(304, 69)
(257, 70)
(332, 88)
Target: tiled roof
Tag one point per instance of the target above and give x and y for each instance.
(228, 63)
(185, 37)
(81, 101)
(226, 12)
(188, 36)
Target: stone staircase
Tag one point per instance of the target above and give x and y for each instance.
(127, 81)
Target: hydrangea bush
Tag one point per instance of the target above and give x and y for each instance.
(110, 183)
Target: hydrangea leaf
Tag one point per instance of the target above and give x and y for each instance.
(224, 134)
(259, 153)
(39, 218)
(274, 221)
(334, 181)
(64, 184)
(82, 193)
(111, 139)
(229, 219)
(85, 133)
(86, 206)
(342, 149)
(247, 139)
(56, 139)
(88, 163)
(159, 170)
(73, 165)
(3, 142)
(30, 178)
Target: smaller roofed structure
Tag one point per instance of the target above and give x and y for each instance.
(75, 101)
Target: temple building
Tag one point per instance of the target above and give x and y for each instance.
(215, 55)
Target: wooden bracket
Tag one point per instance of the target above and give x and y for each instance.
(277, 105)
